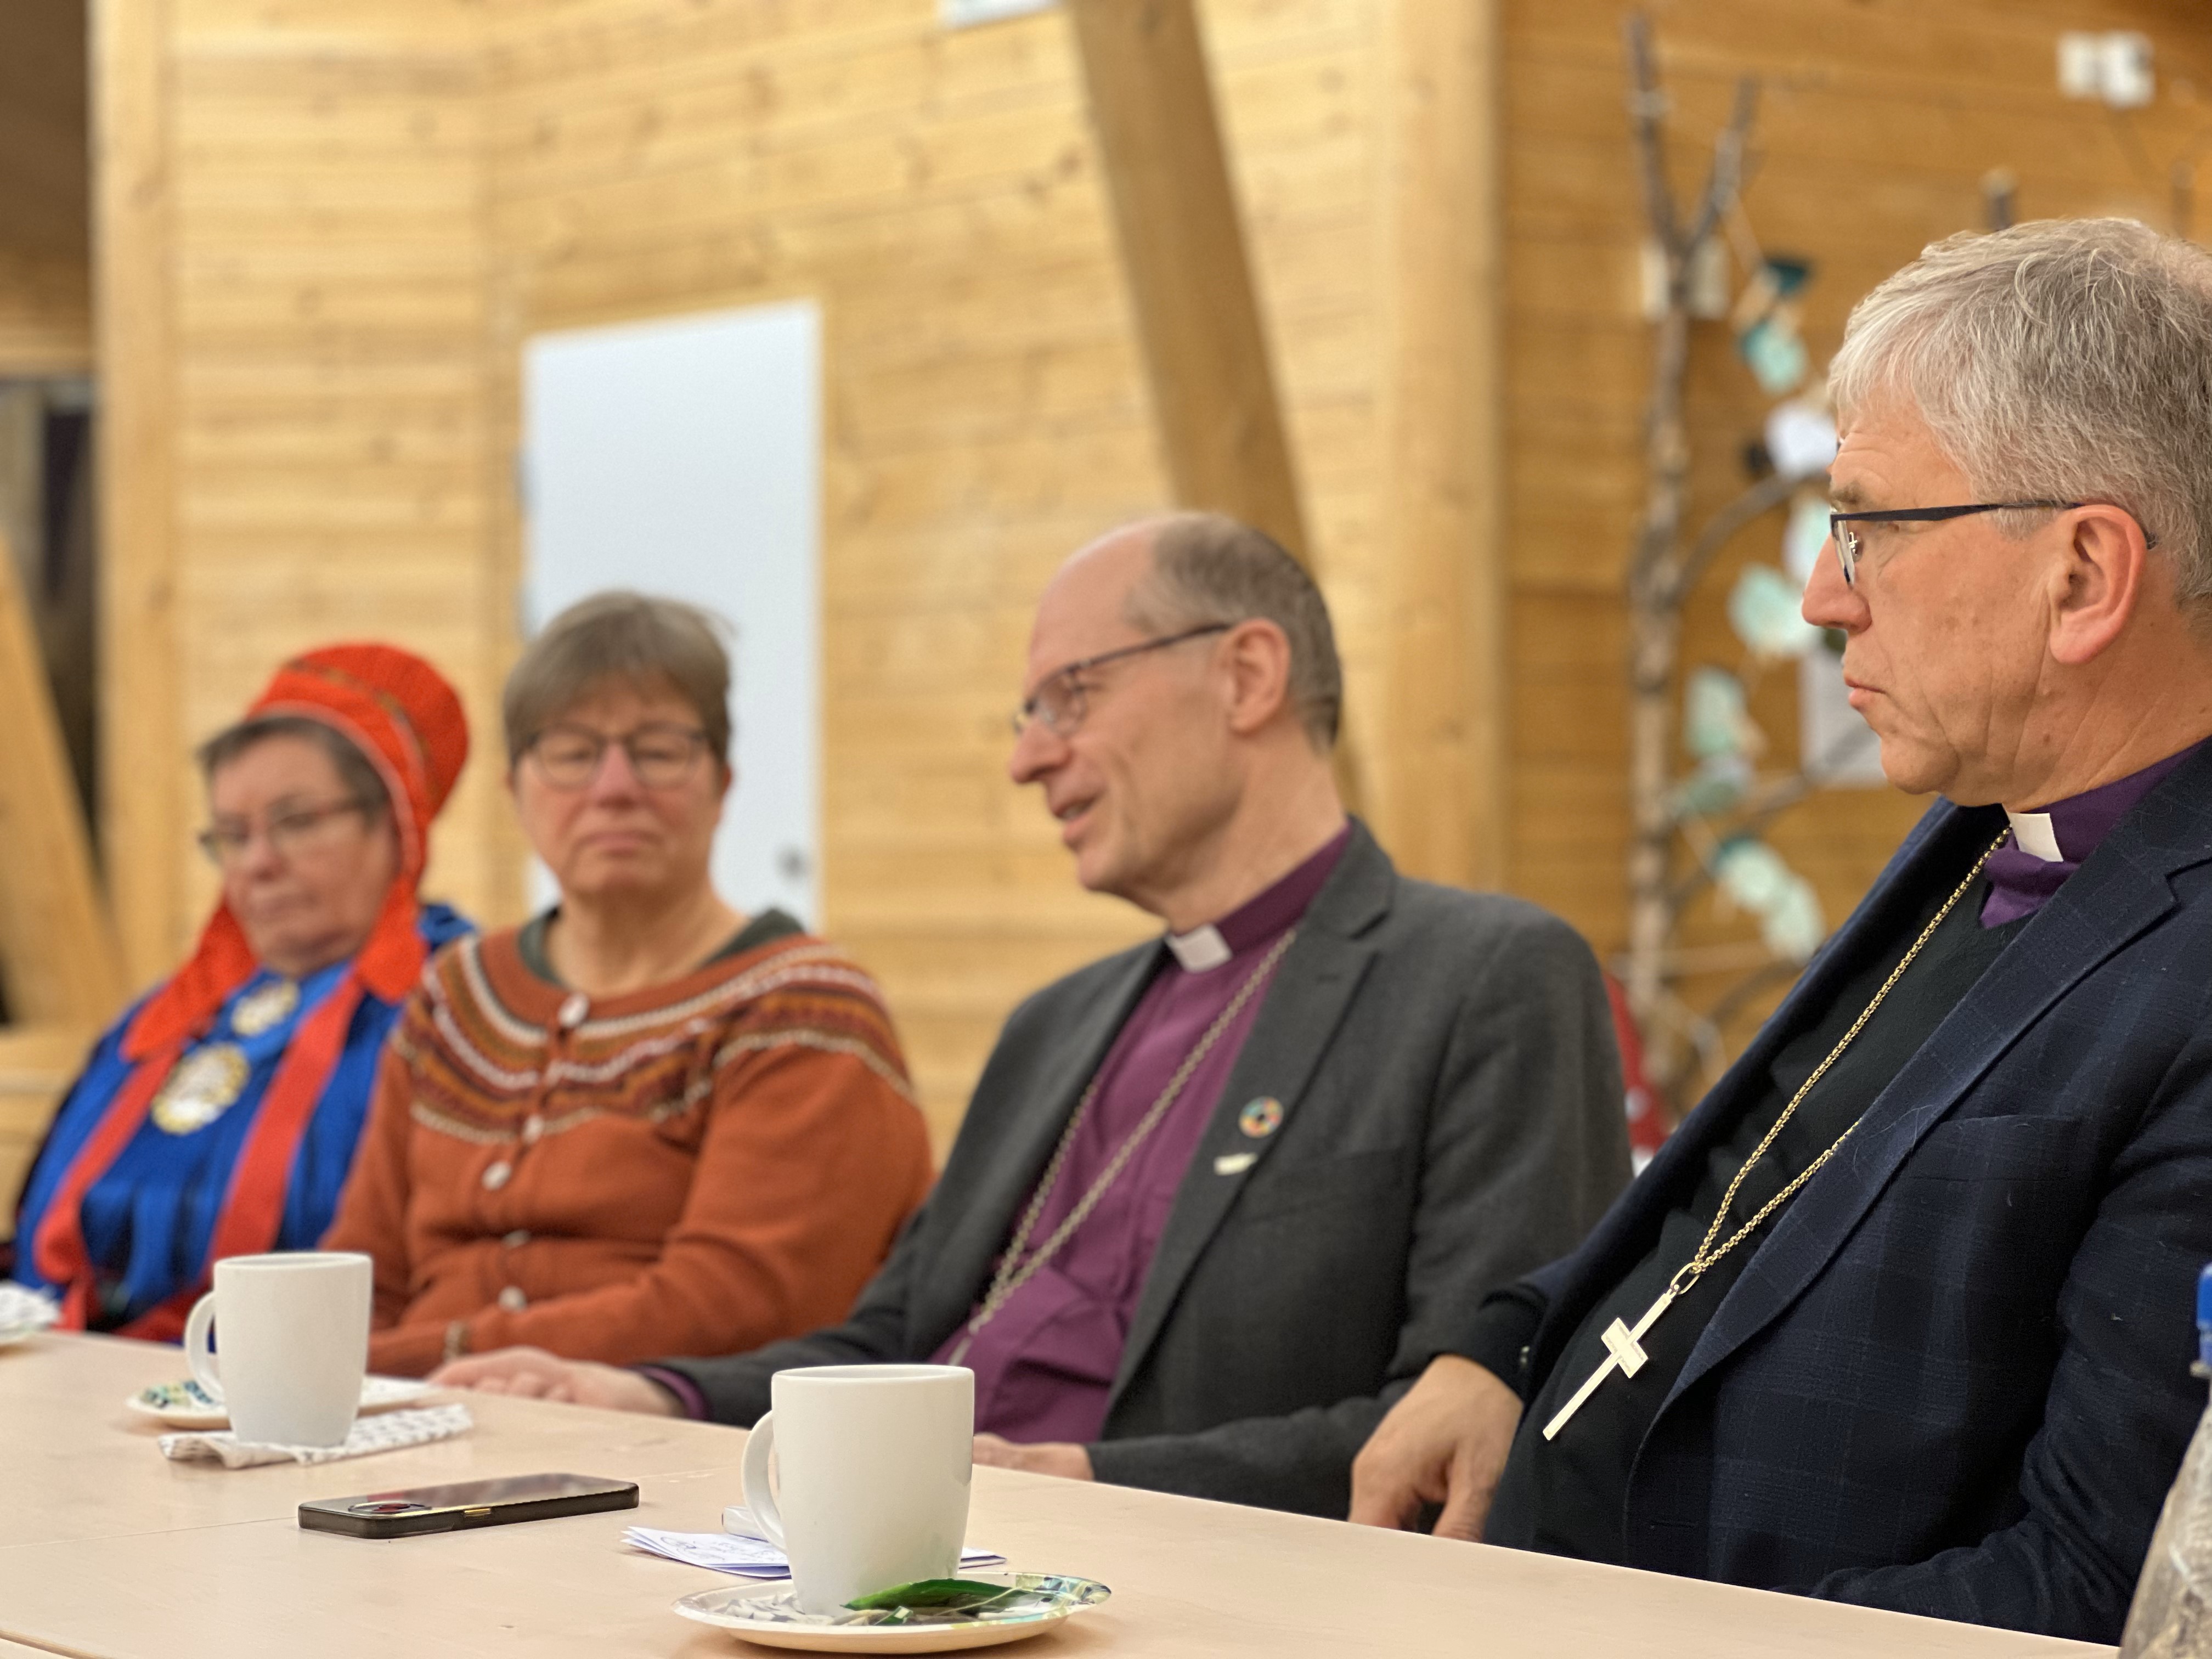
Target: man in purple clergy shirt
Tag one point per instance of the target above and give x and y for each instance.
(1217, 1198)
(1900, 1316)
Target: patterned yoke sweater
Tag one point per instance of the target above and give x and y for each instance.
(695, 1169)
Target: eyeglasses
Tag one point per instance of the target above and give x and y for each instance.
(1850, 546)
(294, 831)
(662, 756)
(1061, 699)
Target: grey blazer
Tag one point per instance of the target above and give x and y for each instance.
(1453, 1104)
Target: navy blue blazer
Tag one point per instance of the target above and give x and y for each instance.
(1954, 1378)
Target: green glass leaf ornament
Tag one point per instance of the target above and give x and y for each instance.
(1763, 609)
(1717, 784)
(1792, 927)
(1807, 534)
(1777, 357)
(1714, 720)
(1751, 872)
(1788, 274)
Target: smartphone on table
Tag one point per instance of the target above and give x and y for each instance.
(466, 1504)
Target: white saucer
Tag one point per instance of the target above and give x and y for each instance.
(773, 1621)
(186, 1405)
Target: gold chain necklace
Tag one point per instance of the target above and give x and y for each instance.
(1623, 1341)
(1013, 1271)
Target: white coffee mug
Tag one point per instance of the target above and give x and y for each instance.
(294, 1333)
(873, 1464)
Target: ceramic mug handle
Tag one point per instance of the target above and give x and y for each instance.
(199, 1352)
(760, 1446)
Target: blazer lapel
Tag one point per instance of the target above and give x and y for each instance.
(1629, 1227)
(2123, 890)
(1313, 987)
(1011, 1166)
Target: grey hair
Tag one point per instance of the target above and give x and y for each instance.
(1208, 568)
(640, 640)
(2067, 359)
(357, 776)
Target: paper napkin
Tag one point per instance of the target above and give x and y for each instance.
(749, 1558)
(390, 1433)
(24, 1311)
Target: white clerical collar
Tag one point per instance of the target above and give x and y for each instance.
(2034, 833)
(1200, 949)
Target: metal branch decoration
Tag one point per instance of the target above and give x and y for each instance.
(1701, 827)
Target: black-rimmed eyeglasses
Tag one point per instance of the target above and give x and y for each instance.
(1061, 699)
(1850, 546)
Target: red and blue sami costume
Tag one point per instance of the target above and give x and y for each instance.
(220, 1115)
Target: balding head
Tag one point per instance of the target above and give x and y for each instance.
(1167, 705)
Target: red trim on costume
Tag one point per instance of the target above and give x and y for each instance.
(407, 722)
(254, 1208)
(253, 1204)
(58, 1250)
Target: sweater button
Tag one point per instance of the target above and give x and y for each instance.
(573, 1010)
(533, 1127)
(517, 1239)
(496, 1176)
(512, 1299)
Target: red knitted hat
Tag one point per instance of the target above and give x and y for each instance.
(407, 722)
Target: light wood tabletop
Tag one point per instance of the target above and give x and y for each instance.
(108, 1550)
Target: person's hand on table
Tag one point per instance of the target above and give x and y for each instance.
(534, 1374)
(1444, 1442)
(1060, 1457)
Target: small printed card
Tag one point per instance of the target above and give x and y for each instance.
(749, 1558)
(390, 1433)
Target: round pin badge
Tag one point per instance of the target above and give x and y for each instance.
(1260, 1118)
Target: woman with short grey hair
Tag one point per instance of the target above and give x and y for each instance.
(643, 1123)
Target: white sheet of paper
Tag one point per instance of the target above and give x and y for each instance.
(749, 1558)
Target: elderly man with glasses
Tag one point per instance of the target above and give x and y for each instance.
(1901, 1314)
(1215, 1196)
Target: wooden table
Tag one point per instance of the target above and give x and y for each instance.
(107, 1549)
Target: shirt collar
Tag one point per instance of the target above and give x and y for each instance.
(1259, 917)
(2047, 846)
(2068, 831)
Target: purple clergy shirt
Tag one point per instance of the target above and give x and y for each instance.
(2022, 879)
(1044, 1364)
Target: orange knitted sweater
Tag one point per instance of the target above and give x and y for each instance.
(696, 1168)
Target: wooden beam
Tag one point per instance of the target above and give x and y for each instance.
(57, 955)
(141, 733)
(1182, 252)
(1440, 765)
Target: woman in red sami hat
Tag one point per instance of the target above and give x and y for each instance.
(220, 1115)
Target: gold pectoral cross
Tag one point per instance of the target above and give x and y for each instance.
(1625, 1344)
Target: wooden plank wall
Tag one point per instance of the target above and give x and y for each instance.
(360, 208)
(985, 410)
(1879, 120)
(302, 455)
